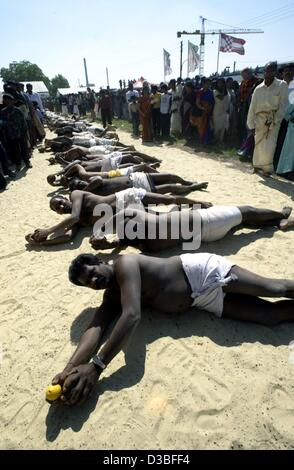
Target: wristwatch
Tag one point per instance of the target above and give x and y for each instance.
(98, 364)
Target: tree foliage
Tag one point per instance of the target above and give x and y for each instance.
(25, 71)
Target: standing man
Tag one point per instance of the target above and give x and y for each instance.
(165, 111)
(91, 103)
(267, 110)
(34, 97)
(176, 118)
(155, 103)
(14, 128)
(106, 108)
(247, 85)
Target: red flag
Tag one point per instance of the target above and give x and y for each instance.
(231, 44)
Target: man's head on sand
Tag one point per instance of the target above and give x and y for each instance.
(90, 271)
(61, 205)
(77, 184)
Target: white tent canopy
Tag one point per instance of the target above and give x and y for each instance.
(38, 87)
(75, 90)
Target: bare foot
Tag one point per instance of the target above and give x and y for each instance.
(200, 186)
(155, 165)
(288, 221)
(31, 241)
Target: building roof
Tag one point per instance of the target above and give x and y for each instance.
(38, 87)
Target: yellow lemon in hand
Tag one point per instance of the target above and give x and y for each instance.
(53, 392)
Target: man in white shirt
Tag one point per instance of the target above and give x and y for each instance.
(34, 97)
(165, 111)
(131, 93)
(266, 113)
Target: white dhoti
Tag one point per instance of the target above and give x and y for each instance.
(112, 162)
(207, 275)
(100, 150)
(217, 221)
(266, 136)
(130, 198)
(140, 180)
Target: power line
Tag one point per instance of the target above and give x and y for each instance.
(269, 14)
(278, 19)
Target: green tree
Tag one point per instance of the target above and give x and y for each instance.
(59, 81)
(24, 71)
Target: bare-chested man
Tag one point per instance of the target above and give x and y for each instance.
(174, 285)
(207, 225)
(161, 183)
(81, 208)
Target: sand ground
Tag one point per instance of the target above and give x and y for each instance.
(186, 381)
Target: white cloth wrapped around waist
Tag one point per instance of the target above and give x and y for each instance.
(207, 274)
(112, 162)
(217, 221)
(100, 150)
(84, 141)
(107, 142)
(131, 197)
(140, 180)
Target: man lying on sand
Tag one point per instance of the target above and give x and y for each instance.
(174, 285)
(81, 153)
(88, 170)
(75, 176)
(81, 208)
(215, 223)
(161, 183)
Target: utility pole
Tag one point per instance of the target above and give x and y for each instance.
(202, 47)
(86, 73)
(181, 67)
(107, 77)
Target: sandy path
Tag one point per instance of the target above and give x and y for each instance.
(188, 381)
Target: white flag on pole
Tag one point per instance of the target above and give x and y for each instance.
(193, 57)
(167, 63)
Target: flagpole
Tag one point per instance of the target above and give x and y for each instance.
(219, 45)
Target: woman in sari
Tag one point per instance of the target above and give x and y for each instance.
(204, 107)
(145, 114)
(189, 98)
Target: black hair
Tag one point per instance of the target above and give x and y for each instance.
(78, 264)
(75, 184)
(58, 196)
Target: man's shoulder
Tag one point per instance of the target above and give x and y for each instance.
(126, 262)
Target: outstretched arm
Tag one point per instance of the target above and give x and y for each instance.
(79, 383)
(68, 223)
(87, 347)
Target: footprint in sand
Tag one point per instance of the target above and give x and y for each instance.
(291, 354)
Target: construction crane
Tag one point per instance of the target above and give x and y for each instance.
(204, 33)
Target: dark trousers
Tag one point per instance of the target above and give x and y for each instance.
(106, 117)
(4, 160)
(136, 123)
(17, 150)
(165, 125)
(156, 122)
